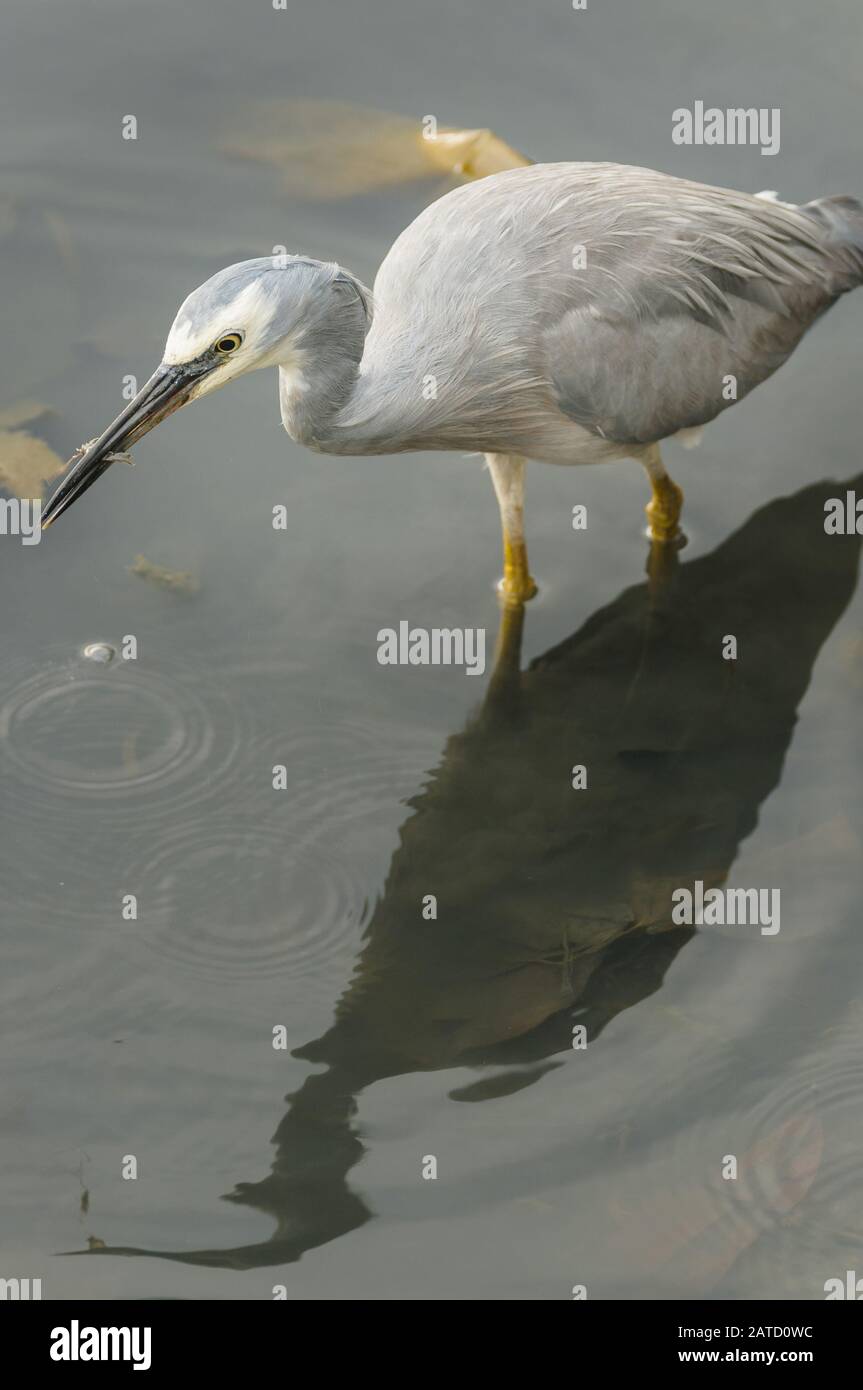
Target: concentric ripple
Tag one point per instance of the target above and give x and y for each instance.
(123, 734)
(225, 899)
(345, 771)
(820, 1108)
(285, 884)
(128, 779)
(95, 757)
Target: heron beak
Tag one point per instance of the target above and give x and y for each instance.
(169, 387)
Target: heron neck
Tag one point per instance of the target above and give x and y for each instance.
(312, 394)
(320, 370)
(350, 410)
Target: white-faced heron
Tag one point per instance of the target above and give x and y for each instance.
(571, 313)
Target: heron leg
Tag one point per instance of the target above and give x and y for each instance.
(663, 509)
(507, 474)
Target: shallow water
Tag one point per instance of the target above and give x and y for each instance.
(301, 909)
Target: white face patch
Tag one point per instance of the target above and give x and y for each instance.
(250, 313)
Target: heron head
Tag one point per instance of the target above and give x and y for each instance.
(258, 313)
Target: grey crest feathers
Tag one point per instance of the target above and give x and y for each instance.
(300, 291)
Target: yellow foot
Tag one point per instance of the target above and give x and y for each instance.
(517, 584)
(663, 514)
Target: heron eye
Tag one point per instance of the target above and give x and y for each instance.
(229, 343)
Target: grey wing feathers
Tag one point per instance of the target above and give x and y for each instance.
(688, 298)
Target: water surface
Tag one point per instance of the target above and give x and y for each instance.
(301, 909)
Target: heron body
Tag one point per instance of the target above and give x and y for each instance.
(570, 313)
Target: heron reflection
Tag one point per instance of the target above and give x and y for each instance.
(554, 905)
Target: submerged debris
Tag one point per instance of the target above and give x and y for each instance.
(326, 149)
(474, 154)
(178, 581)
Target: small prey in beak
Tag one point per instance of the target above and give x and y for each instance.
(168, 388)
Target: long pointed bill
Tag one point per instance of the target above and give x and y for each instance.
(168, 388)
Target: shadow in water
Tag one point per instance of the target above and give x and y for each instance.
(553, 904)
